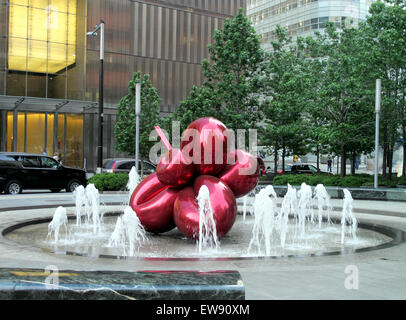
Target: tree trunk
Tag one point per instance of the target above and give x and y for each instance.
(283, 159)
(385, 151)
(276, 158)
(353, 163)
(404, 156)
(318, 157)
(390, 160)
(343, 162)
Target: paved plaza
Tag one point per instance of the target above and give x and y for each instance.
(381, 272)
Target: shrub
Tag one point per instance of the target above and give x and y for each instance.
(109, 181)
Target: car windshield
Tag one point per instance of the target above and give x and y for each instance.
(313, 168)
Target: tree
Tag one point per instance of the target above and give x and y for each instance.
(385, 32)
(284, 99)
(346, 91)
(124, 130)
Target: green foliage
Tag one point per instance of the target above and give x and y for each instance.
(124, 130)
(109, 181)
(353, 181)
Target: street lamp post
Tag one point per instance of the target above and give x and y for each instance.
(377, 111)
(137, 123)
(101, 116)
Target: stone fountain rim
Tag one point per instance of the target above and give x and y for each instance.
(398, 237)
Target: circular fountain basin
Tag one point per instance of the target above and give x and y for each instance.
(316, 241)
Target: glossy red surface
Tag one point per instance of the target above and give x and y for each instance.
(153, 202)
(186, 210)
(205, 141)
(173, 170)
(243, 175)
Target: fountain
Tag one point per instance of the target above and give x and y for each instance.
(264, 214)
(133, 181)
(347, 216)
(59, 220)
(323, 203)
(201, 209)
(128, 233)
(207, 237)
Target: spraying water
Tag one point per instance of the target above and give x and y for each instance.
(128, 233)
(347, 216)
(207, 225)
(289, 207)
(133, 181)
(305, 209)
(323, 201)
(93, 208)
(59, 219)
(80, 201)
(264, 214)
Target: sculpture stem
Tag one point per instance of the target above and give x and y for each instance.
(163, 138)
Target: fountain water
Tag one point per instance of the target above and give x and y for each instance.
(289, 207)
(93, 208)
(128, 233)
(323, 202)
(133, 181)
(264, 214)
(80, 201)
(347, 216)
(305, 208)
(207, 225)
(59, 219)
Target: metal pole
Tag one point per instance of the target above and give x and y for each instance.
(137, 123)
(101, 120)
(377, 111)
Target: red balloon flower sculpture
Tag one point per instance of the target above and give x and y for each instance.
(167, 198)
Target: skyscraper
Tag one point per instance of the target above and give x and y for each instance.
(302, 17)
(49, 68)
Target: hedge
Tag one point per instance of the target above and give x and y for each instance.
(353, 181)
(110, 181)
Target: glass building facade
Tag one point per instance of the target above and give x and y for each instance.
(49, 68)
(302, 17)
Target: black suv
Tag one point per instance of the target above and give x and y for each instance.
(20, 171)
(305, 168)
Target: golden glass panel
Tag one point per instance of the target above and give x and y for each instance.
(9, 131)
(17, 26)
(20, 131)
(37, 23)
(35, 132)
(61, 137)
(42, 4)
(17, 59)
(50, 133)
(58, 27)
(74, 140)
(54, 23)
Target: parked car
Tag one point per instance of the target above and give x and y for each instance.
(271, 173)
(124, 165)
(300, 168)
(261, 165)
(20, 171)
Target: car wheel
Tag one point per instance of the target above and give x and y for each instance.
(72, 185)
(55, 190)
(14, 187)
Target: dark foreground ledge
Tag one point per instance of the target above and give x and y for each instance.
(37, 284)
